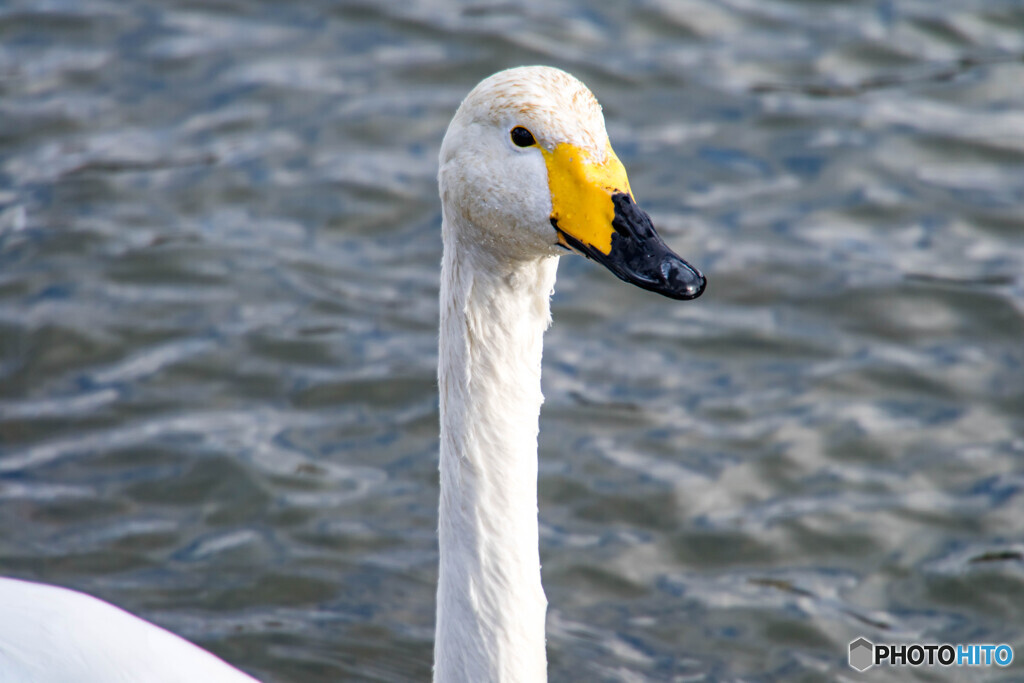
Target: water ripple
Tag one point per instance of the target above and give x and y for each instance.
(219, 260)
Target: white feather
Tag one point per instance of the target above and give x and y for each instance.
(55, 635)
(497, 275)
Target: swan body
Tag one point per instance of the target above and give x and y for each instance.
(55, 635)
(526, 174)
(512, 202)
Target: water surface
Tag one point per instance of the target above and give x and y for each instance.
(219, 249)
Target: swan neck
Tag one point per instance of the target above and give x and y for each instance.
(491, 605)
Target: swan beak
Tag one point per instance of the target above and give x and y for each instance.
(593, 213)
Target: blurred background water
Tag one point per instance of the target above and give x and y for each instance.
(219, 249)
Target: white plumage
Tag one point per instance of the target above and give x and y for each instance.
(55, 635)
(509, 211)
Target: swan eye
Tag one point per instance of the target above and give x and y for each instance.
(522, 137)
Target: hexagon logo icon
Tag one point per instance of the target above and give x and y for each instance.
(862, 654)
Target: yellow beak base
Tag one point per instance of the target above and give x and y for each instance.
(581, 194)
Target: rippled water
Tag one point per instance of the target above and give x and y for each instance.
(219, 254)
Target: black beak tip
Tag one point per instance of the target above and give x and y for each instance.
(681, 280)
(638, 256)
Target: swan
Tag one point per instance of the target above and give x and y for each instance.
(526, 174)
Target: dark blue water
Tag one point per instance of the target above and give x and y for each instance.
(219, 248)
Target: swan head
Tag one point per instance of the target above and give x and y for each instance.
(527, 170)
